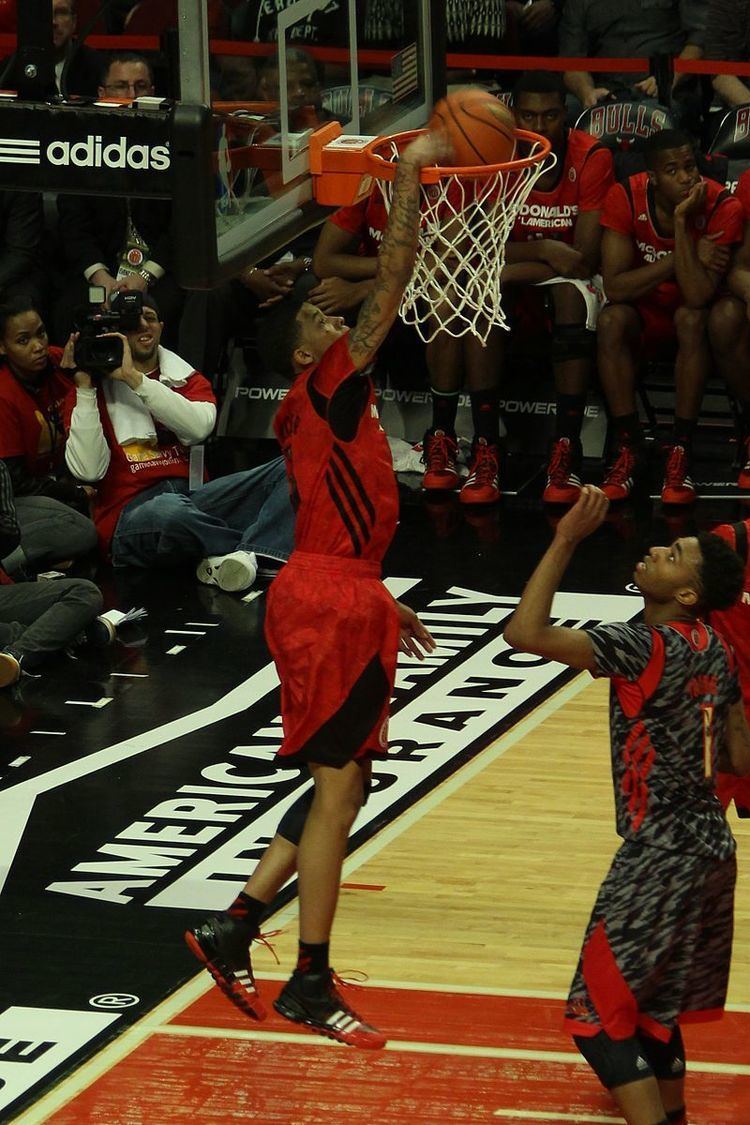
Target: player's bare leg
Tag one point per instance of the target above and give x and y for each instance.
(619, 346)
(729, 336)
(310, 996)
(640, 1102)
(572, 357)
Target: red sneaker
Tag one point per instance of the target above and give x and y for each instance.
(622, 474)
(224, 948)
(439, 457)
(482, 485)
(678, 488)
(743, 480)
(563, 482)
(312, 999)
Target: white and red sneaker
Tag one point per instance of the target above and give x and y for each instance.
(439, 457)
(223, 947)
(622, 475)
(482, 485)
(678, 487)
(563, 469)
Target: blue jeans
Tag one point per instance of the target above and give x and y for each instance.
(167, 525)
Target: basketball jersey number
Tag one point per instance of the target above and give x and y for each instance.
(707, 710)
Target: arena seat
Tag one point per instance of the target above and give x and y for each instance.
(7, 17)
(338, 100)
(621, 126)
(732, 140)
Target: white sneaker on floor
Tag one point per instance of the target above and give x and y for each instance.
(232, 572)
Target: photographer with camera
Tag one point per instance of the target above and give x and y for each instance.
(51, 508)
(135, 423)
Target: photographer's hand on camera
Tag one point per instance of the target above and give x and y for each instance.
(126, 372)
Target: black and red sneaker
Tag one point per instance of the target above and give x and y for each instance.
(482, 486)
(439, 458)
(623, 474)
(313, 999)
(223, 946)
(678, 487)
(563, 473)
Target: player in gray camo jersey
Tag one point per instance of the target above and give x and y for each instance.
(657, 948)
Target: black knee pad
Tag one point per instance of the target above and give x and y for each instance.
(292, 822)
(667, 1060)
(572, 341)
(615, 1062)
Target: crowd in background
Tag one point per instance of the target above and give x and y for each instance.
(110, 462)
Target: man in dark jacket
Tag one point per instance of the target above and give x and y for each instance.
(84, 65)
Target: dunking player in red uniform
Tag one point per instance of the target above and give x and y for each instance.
(556, 239)
(729, 332)
(664, 252)
(332, 627)
(734, 625)
(658, 945)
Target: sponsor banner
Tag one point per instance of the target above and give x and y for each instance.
(34, 1042)
(86, 149)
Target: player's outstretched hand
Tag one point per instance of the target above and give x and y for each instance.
(414, 638)
(430, 147)
(585, 516)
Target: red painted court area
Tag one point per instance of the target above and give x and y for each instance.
(451, 1058)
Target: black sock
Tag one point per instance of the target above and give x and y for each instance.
(485, 414)
(569, 418)
(628, 430)
(684, 428)
(444, 410)
(312, 958)
(677, 1116)
(248, 911)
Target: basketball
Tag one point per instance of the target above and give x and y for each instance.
(480, 127)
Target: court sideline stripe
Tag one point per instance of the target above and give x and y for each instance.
(104, 1060)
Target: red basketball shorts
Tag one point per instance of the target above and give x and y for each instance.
(332, 628)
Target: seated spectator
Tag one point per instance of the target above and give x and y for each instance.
(38, 619)
(728, 40)
(33, 385)
(664, 253)
(304, 84)
(532, 27)
(21, 225)
(729, 332)
(627, 29)
(83, 71)
(131, 430)
(556, 242)
(113, 242)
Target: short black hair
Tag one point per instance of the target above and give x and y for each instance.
(278, 334)
(721, 575)
(540, 82)
(150, 303)
(662, 140)
(294, 55)
(125, 57)
(15, 305)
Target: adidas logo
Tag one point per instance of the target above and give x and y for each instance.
(94, 153)
(641, 1063)
(642, 218)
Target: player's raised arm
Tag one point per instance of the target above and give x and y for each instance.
(529, 628)
(397, 251)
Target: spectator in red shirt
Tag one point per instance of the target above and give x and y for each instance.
(51, 508)
(665, 251)
(556, 242)
(729, 331)
(132, 431)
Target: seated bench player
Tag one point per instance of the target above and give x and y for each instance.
(556, 241)
(729, 332)
(665, 252)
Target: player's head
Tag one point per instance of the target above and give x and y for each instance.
(144, 340)
(697, 573)
(127, 75)
(304, 79)
(63, 23)
(24, 344)
(539, 104)
(671, 164)
(293, 335)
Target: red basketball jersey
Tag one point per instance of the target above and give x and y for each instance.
(338, 461)
(734, 623)
(366, 220)
(630, 209)
(586, 177)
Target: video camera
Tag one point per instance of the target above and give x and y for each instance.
(95, 352)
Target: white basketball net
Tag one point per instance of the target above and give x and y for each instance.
(455, 286)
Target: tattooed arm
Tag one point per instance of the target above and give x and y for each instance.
(397, 251)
